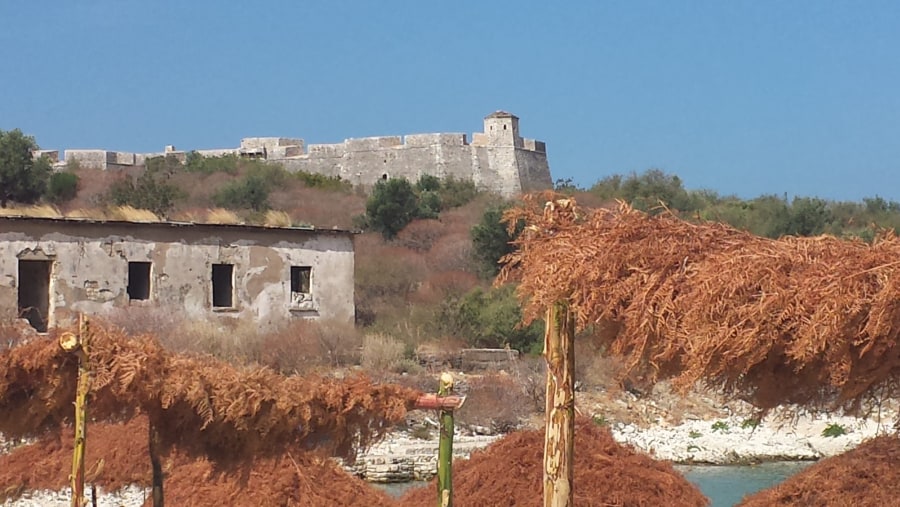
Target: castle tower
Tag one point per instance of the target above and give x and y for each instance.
(502, 129)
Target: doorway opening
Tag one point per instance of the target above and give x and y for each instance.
(223, 285)
(138, 281)
(34, 293)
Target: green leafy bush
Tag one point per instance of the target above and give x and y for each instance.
(320, 181)
(250, 192)
(490, 318)
(695, 434)
(750, 423)
(720, 426)
(148, 191)
(599, 420)
(63, 186)
(834, 430)
(197, 163)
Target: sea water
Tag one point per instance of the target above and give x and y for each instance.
(727, 485)
(723, 485)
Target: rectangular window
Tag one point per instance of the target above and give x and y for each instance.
(223, 285)
(301, 277)
(34, 293)
(138, 281)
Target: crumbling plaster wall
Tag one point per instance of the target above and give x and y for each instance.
(90, 268)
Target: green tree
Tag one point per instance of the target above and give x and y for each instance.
(22, 177)
(392, 205)
(491, 239)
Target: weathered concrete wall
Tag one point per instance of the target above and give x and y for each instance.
(90, 267)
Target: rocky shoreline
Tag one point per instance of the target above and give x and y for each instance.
(737, 441)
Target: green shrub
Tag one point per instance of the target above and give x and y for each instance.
(456, 192)
(63, 186)
(320, 181)
(249, 192)
(751, 423)
(599, 420)
(197, 163)
(489, 318)
(720, 426)
(695, 434)
(148, 191)
(834, 430)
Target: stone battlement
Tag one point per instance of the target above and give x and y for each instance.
(497, 159)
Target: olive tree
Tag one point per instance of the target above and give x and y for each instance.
(22, 177)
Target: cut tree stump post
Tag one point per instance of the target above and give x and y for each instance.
(559, 448)
(78, 345)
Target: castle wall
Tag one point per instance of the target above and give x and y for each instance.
(534, 170)
(498, 159)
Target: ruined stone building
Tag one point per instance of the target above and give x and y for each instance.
(497, 159)
(51, 268)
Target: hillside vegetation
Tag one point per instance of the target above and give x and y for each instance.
(428, 249)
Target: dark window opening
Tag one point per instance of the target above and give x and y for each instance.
(34, 293)
(300, 284)
(384, 176)
(223, 285)
(139, 281)
(504, 127)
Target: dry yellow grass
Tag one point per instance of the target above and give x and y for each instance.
(130, 214)
(277, 219)
(87, 213)
(222, 216)
(38, 211)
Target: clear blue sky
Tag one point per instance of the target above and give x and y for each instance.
(741, 97)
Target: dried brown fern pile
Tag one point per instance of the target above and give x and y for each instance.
(510, 472)
(117, 457)
(813, 321)
(203, 405)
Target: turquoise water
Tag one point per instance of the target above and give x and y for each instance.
(727, 485)
(724, 485)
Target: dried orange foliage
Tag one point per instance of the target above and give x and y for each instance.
(813, 321)
(868, 476)
(203, 405)
(509, 472)
(117, 457)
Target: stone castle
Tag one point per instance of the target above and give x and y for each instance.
(497, 159)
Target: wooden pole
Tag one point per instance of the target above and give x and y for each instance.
(78, 344)
(559, 448)
(445, 449)
(156, 464)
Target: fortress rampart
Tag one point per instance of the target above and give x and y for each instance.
(497, 159)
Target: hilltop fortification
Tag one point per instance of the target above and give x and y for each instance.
(497, 159)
